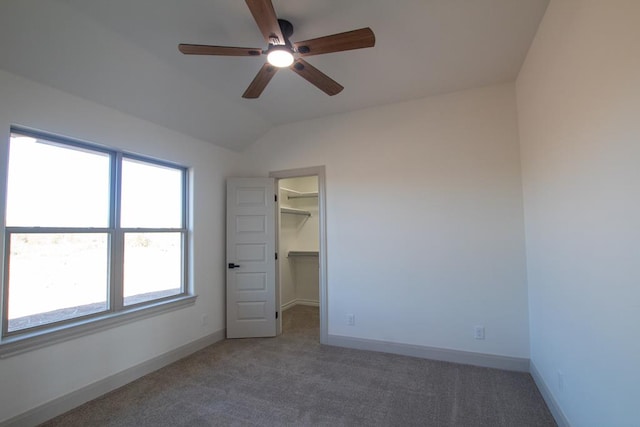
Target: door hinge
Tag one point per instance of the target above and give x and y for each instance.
(275, 197)
(276, 314)
(276, 256)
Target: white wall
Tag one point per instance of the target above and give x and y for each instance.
(33, 378)
(579, 115)
(287, 238)
(424, 218)
(306, 279)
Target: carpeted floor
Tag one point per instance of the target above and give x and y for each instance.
(293, 380)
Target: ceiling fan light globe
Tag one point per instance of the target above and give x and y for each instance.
(280, 58)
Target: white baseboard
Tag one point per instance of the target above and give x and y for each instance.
(288, 305)
(299, 301)
(309, 302)
(557, 413)
(76, 398)
(442, 354)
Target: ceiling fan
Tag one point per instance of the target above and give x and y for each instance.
(282, 53)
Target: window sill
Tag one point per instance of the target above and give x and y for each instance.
(16, 344)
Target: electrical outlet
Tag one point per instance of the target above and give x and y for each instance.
(351, 319)
(204, 320)
(478, 332)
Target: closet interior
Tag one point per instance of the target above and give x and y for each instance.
(298, 242)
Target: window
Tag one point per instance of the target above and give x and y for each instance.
(90, 234)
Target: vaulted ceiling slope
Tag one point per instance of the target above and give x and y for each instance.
(124, 54)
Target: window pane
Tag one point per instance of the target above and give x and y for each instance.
(54, 186)
(151, 195)
(152, 266)
(54, 277)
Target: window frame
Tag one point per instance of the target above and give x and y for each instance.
(116, 313)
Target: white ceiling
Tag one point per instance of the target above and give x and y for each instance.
(124, 54)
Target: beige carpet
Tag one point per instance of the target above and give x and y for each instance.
(293, 380)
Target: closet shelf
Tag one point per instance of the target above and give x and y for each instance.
(295, 211)
(303, 253)
(293, 194)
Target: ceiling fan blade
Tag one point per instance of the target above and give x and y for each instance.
(265, 16)
(260, 81)
(203, 49)
(316, 77)
(356, 39)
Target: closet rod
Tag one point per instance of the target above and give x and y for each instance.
(303, 196)
(295, 211)
(295, 194)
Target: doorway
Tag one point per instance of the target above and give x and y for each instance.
(301, 242)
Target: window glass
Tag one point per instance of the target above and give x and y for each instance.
(54, 186)
(151, 195)
(152, 266)
(82, 240)
(56, 277)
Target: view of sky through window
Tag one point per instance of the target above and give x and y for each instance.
(51, 186)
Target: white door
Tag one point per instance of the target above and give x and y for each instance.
(251, 293)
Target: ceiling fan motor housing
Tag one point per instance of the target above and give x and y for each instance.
(286, 28)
